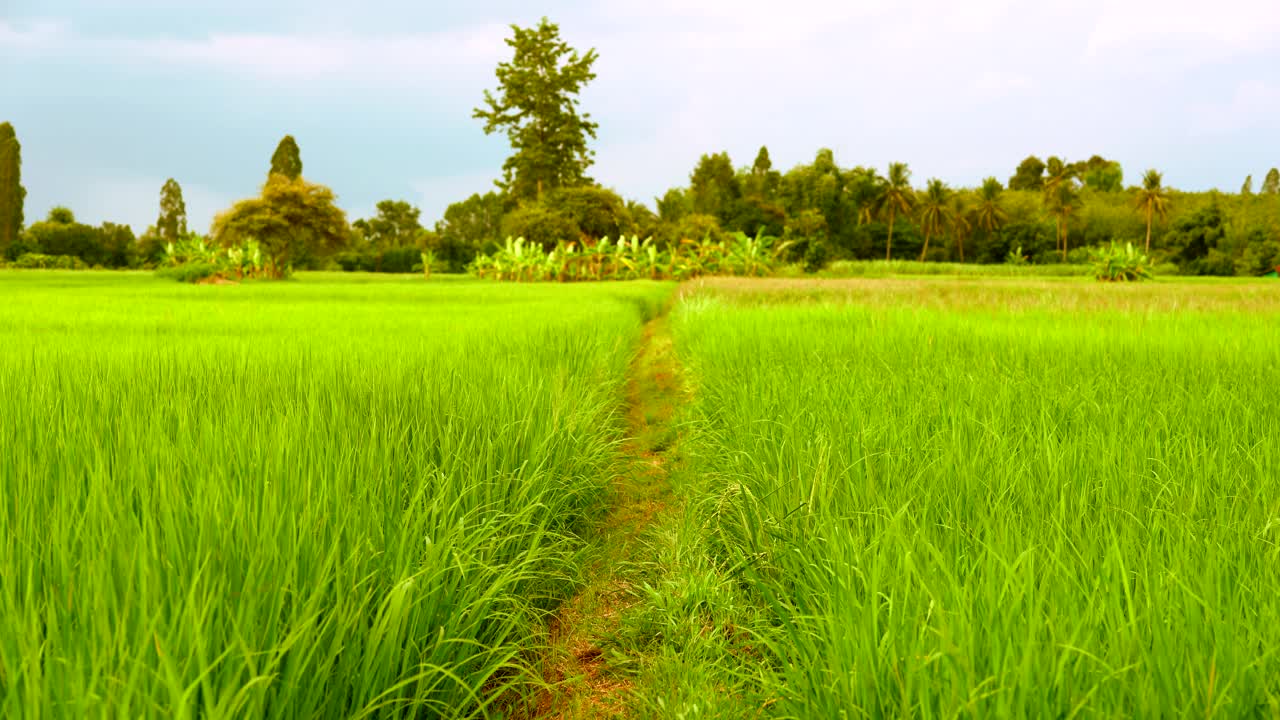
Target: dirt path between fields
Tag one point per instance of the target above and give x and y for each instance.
(585, 678)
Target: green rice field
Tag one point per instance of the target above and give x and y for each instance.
(357, 496)
(307, 499)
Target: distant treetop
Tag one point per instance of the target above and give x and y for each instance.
(287, 159)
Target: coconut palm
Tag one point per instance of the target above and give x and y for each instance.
(895, 198)
(1152, 200)
(1058, 172)
(1063, 204)
(862, 185)
(1060, 196)
(934, 210)
(989, 213)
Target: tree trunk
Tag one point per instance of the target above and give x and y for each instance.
(1148, 231)
(888, 245)
(924, 250)
(960, 244)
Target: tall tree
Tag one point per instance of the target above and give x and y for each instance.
(863, 186)
(763, 181)
(934, 211)
(1271, 185)
(713, 186)
(172, 223)
(537, 107)
(287, 159)
(674, 205)
(1063, 203)
(896, 198)
(989, 213)
(1029, 175)
(1152, 200)
(1247, 188)
(1058, 172)
(1108, 177)
(12, 194)
(468, 227)
(395, 225)
(1060, 195)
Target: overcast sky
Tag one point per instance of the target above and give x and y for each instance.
(110, 97)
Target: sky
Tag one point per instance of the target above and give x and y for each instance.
(111, 97)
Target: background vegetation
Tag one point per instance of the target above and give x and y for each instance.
(1048, 211)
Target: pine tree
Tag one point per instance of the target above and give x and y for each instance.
(1247, 188)
(1271, 185)
(12, 194)
(287, 159)
(172, 223)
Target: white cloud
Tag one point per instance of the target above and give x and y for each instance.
(1187, 32)
(392, 59)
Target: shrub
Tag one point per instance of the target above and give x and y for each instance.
(597, 212)
(542, 225)
(1120, 263)
(816, 256)
(193, 258)
(697, 227)
(38, 261)
(189, 272)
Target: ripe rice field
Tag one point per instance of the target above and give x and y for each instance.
(354, 496)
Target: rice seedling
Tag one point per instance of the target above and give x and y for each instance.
(995, 512)
(318, 498)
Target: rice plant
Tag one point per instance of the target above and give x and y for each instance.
(295, 500)
(997, 512)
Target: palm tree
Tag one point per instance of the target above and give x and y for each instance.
(1152, 200)
(1057, 172)
(961, 221)
(1060, 196)
(896, 198)
(989, 213)
(1062, 204)
(863, 186)
(933, 211)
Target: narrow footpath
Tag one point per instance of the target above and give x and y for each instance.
(584, 678)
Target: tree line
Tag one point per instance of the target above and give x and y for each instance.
(1047, 211)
